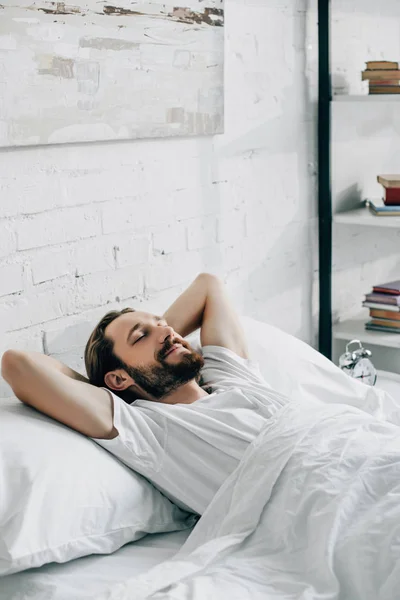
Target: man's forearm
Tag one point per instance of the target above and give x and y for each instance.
(185, 315)
(41, 359)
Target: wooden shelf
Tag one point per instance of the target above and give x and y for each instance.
(363, 216)
(366, 98)
(355, 329)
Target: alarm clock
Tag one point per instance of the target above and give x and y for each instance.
(357, 364)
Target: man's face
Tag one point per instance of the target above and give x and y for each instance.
(154, 356)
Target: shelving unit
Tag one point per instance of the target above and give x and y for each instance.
(324, 183)
(363, 216)
(366, 98)
(353, 328)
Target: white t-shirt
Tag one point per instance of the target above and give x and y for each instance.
(188, 450)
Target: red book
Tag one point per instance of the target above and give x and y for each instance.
(391, 196)
(384, 82)
(393, 287)
(384, 314)
(391, 186)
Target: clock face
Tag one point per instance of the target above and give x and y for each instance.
(364, 371)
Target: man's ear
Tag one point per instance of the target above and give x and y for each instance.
(118, 380)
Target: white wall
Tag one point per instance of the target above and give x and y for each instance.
(87, 228)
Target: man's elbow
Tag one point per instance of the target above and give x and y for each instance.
(204, 274)
(210, 277)
(12, 363)
(9, 364)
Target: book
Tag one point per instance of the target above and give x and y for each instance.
(376, 313)
(380, 206)
(378, 82)
(381, 306)
(385, 323)
(381, 64)
(373, 327)
(382, 298)
(384, 89)
(389, 181)
(380, 74)
(391, 188)
(393, 287)
(391, 196)
(384, 210)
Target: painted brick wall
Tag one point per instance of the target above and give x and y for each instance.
(90, 227)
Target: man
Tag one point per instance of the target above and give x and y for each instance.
(180, 418)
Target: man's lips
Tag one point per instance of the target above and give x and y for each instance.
(174, 347)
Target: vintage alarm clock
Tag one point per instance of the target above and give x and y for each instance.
(357, 364)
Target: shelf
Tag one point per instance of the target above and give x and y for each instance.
(355, 329)
(363, 216)
(366, 98)
(388, 375)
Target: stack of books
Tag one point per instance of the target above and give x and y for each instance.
(390, 204)
(384, 307)
(383, 77)
(391, 189)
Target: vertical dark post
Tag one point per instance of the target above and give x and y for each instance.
(324, 182)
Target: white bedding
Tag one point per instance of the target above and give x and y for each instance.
(92, 574)
(312, 512)
(298, 519)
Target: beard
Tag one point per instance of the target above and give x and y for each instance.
(162, 379)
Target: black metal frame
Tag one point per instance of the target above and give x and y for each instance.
(324, 183)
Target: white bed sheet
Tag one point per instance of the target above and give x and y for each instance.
(91, 574)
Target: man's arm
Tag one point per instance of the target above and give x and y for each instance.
(60, 392)
(185, 315)
(206, 304)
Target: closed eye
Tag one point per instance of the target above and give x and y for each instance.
(141, 337)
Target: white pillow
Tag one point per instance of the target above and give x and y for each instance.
(297, 370)
(62, 496)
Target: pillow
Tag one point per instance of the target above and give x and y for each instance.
(296, 370)
(62, 496)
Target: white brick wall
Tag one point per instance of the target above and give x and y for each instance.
(91, 227)
(11, 280)
(201, 231)
(8, 239)
(57, 227)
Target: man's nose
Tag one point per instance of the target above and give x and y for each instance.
(165, 332)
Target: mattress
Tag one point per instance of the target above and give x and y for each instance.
(91, 574)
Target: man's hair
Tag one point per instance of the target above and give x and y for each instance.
(99, 352)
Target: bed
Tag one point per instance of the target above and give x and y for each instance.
(123, 574)
(209, 560)
(88, 576)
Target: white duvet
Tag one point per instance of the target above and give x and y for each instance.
(311, 512)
